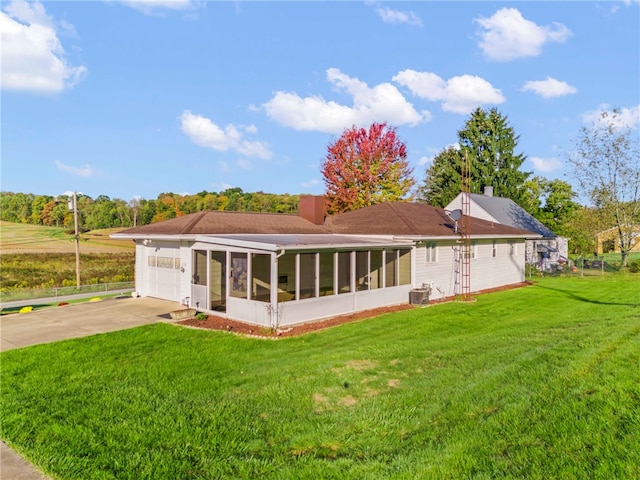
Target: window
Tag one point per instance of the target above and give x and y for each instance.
(513, 248)
(344, 272)
(307, 275)
(199, 267)
(151, 261)
(326, 273)
(430, 252)
(165, 262)
(287, 277)
(375, 276)
(404, 266)
(390, 268)
(261, 277)
(495, 249)
(362, 271)
(470, 251)
(239, 275)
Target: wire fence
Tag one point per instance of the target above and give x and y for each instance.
(57, 292)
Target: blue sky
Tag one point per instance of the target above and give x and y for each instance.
(134, 98)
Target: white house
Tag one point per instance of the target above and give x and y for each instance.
(545, 249)
(276, 270)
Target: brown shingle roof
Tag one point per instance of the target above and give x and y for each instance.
(393, 218)
(213, 222)
(413, 219)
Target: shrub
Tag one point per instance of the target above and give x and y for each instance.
(634, 266)
(201, 316)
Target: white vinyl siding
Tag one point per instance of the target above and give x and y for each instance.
(486, 271)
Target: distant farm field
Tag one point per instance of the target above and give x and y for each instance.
(40, 257)
(24, 238)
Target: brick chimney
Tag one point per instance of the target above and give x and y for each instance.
(312, 208)
(488, 191)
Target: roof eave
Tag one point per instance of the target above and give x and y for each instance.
(151, 237)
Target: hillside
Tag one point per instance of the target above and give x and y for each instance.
(25, 238)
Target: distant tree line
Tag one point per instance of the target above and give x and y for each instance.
(105, 212)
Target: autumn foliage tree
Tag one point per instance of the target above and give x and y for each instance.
(365, 167)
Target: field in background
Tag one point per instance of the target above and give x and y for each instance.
(34, 256)
(24, 238)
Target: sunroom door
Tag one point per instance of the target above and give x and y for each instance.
(199, 284)
(218, 281)
(209, 282)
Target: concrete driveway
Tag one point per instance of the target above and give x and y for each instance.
(82, 319)
(71, 321)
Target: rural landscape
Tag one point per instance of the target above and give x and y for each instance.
(540, 381)
(536, 382)
(320, 240)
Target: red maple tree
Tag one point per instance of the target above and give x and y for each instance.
(366, 167)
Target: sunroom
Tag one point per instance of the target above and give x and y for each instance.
(279, 280)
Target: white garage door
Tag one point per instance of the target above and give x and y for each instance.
(163, 267)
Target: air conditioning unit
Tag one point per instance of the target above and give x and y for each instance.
(419, 296)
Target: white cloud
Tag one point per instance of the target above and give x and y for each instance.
(461, 94)
(508, 35)
(203, 132)
(625, 118)
(398, 17)
(150, 7)
(546, 165)
(244, 164)
(310, 183)
(549, 88)
(86, 171)
(424, 160)
(370, 104)
(32, 56)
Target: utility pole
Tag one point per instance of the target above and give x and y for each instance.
(77, 236)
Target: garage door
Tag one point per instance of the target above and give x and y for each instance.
(163, 267)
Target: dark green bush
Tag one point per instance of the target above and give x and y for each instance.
(634, 266)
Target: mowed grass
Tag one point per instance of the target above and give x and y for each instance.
(539, 382)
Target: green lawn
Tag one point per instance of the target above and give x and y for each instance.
(540, 382)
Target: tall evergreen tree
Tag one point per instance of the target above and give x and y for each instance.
(489, 142)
